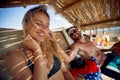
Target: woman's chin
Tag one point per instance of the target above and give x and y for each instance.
(40, 40)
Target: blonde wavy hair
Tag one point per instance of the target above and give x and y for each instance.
(49, 45)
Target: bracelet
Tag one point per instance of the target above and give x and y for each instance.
(42, 62)
(37, 56)
(36, 51)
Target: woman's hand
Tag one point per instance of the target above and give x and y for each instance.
(30, 43)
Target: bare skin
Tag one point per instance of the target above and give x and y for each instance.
(115, 48)
(37, 28)
(21, 70)
(88, 49)
(86, 46)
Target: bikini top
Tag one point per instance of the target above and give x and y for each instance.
(56, 66)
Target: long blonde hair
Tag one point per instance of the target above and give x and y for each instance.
(49, 45)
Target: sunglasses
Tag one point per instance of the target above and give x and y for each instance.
(72, 32)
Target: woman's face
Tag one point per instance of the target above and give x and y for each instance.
(38, 26)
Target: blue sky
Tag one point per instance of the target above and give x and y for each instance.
(12, 18)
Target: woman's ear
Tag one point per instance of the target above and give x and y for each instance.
(26, 33)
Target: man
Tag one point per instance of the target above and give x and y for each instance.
(85, 45)
(88, 52)
(89, 49)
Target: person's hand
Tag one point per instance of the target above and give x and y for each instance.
(113, 48)
(30, 43)
(116, 48)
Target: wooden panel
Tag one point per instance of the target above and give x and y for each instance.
(9, 39)
(61, 40)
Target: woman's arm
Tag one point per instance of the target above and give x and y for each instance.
(40, 67)
(16, 63)
(66, 72)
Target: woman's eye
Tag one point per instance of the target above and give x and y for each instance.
(47, 26)
(42, 25)
(39, 24)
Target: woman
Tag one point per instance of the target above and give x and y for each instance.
(40, 58)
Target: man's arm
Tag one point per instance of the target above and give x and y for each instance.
(105, 50)
(115, 48)
(73, 51)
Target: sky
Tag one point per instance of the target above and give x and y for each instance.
(12, 17)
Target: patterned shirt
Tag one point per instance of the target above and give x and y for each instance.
(91, 70)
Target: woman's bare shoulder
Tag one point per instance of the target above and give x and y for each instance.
(13, 57)
(13, 54)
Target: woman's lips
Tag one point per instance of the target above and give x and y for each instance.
(41, 34)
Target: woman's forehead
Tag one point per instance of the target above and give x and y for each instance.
(40, 14)
(41, 17)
